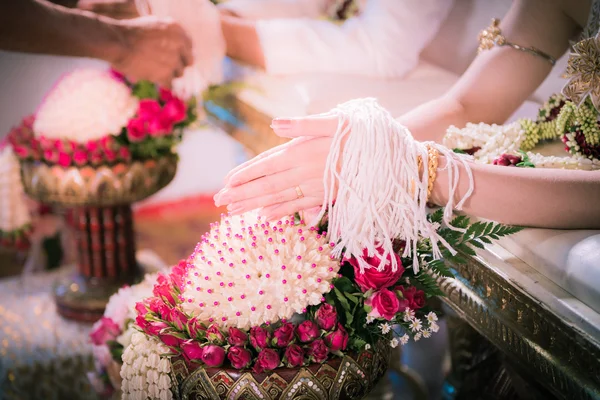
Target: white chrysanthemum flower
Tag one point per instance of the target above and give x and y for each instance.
(14, 214)
(394, 343)
(385, 328)
(431, 317)
(87, 104)
(143, 376)
(426, 333)
(417, 337)
(409, 314)
(370, 319)
(404, 339)
(415, 325)
(434, 327)
(246, 272)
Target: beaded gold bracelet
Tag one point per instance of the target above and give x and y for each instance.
(492, 36)
(432, 165)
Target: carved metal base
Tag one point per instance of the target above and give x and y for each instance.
(348, 378)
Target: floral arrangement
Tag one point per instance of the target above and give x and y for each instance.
(510, 145)
(258, 295)
(113, 332)
(94, 117)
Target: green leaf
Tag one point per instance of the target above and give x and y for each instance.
(439, 267)
(342, 299)
(352, 298)
(145, 90)
(459, 151)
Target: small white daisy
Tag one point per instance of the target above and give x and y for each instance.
(417, 337)
(409, 314)
(433, 327)
(431, 317)
(394, 343)
(370, 319)
(385, 328)
(404, 339)
(426, 333)
(415, 325)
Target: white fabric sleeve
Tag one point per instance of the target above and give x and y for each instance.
(268, 9)
(385, 40)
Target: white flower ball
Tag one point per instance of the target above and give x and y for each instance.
(87, 104)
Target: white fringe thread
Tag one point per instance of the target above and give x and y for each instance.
(380, 194)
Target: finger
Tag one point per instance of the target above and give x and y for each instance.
(288, 208)
(266, 185)
(187, 56)
(314, 188)
(262, 156)
(314, 125)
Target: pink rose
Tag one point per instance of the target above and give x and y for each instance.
(64, 160)
(46, 144)
(294, 356)
(237, 337)
(160, 125)
(337, 340)
(165, 95)
(140, 308)
(96, 159)
(239, 357)
(64, 146)
(108, 142)
(267, 360)
(148, 108)
(106, 329)
(373, 279)
(177, 273)
(283, 335)
(91, 146)
(158, 307)
(326, 317)
(117, 75)
(21, 151)
(259, 338)
(192, 350)
(80, 157)
(415, 298)
(154, 328)
(110, 155)
(213, 356)
(124, 154)
(307, 331)
(164, 290)
(195, 327)
(141, 322)
(136, 130)
(384, 304)
(318, 351)
(175, 110)
(170, 340)
(214, 335)
(51, 156)
(177, 318)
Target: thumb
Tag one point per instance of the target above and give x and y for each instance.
(313, 125)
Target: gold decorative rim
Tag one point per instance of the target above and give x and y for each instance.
(97, 186)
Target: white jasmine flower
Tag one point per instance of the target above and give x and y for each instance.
(394, 343)
(385, 328)
(426, 333)
(246, 272)
(415, 325)
(434, 327)
(370, 319)
(417, 337)
(404, 339)
(367, 346)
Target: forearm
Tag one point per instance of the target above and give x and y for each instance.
(543, 198)
(242, 40)
(40, 27)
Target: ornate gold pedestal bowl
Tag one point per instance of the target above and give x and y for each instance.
(97, 201)
(348, 378)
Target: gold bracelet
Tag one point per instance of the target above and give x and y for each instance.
(492, 36)
(432, 165)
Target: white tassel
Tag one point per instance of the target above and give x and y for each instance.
(380, 193)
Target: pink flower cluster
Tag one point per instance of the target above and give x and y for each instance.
(156, 118)
(387, 298)
(63, 152)
(105, 330)
(263, 348)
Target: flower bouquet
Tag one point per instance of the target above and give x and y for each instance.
(97, 144)
(264, 310)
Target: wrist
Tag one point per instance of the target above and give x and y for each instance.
(112, 45)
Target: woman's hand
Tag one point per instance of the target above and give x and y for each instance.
(287, 178)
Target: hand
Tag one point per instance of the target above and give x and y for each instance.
(269, 181)
(154, 49)
(118, 9)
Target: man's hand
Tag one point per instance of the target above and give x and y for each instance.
(154, 49)
(118, 9)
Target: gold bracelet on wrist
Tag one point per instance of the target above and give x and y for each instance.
(432, 165)
(492, 36)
